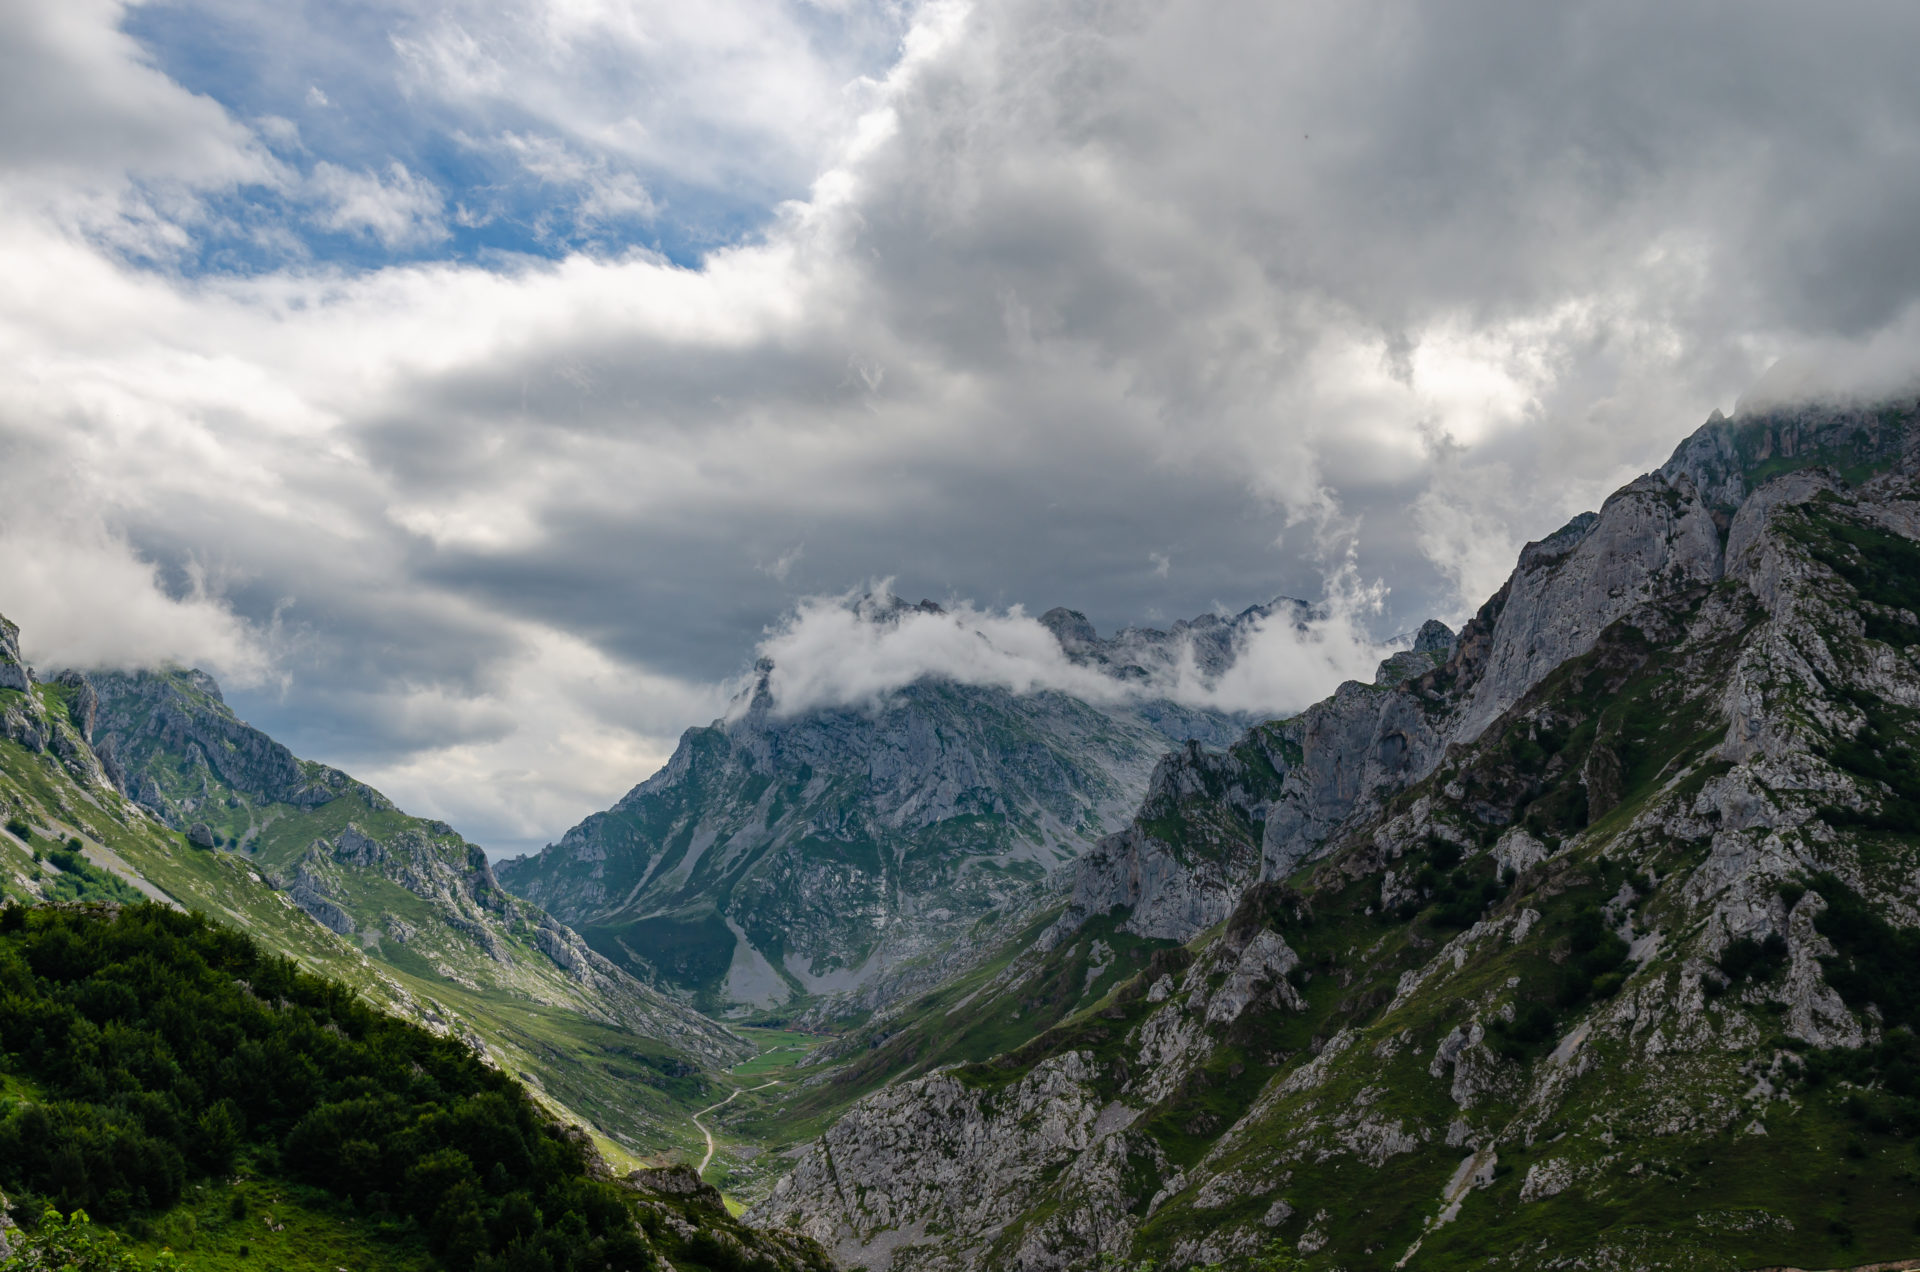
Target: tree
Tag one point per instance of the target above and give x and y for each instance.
(73, 1244)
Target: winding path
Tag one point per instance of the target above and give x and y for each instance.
(702, 1172)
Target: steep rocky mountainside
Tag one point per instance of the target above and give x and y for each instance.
(121, 784)
(1590, 943)
(410, 892)
(852, 852)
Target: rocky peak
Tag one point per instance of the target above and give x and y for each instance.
(171, 736)
(885, 607)
(52, 718)
(1434, 637)
(836, 852)
(1213, 641)
(14, 673)
(1070, 627)
(1656, 541)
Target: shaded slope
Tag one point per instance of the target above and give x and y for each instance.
(159, 1051)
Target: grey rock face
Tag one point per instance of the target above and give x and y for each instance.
(83, 702)
(28, 720)
(1171, 892)
(172, 737)
(838, 853)
(1434, 637)
(1045, 1174)
(1270, 802)
(1651, 540)
(13, 668)
(1661, 537)
(1142, 653)
(931, 1170)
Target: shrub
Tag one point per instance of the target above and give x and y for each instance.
(73, 1244)
(1759, 960)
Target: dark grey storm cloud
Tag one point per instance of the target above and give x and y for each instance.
(1141, 308)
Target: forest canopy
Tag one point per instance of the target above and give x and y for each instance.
(165, 1048)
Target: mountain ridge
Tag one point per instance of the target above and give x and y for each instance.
(1609, 978)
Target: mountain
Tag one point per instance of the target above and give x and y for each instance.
(412, 893)
(1588, 944)
(853, 852)
(118, 785)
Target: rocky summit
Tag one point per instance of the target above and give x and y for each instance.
(846, 856)
(1583, 939)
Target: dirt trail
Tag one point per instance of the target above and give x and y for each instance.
(707, 1134)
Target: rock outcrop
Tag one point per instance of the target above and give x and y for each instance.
(407, 890)
(13, 668)
(173, 740)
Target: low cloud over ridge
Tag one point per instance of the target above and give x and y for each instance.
(856, 648)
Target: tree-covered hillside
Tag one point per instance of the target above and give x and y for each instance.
(145, 1051)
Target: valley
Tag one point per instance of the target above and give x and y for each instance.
(1580, 937)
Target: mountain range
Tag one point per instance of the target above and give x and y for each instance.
(1582, 937)
(147, 782)
(848, 854)
(1588, 943)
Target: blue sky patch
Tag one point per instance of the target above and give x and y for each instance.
(378, 173)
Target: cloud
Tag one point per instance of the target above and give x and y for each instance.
(553, 730)
(83, 596)
(857, 648)
(783, 564)
(395, 207)
(1022, 295)
(86, 112)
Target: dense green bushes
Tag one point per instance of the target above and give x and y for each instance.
(169, 1048)
(1874, 961)
(81, 880)
(1748, 959)
(71, 1243)
(1595, 968)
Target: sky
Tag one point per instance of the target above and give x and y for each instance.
(477, 389)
